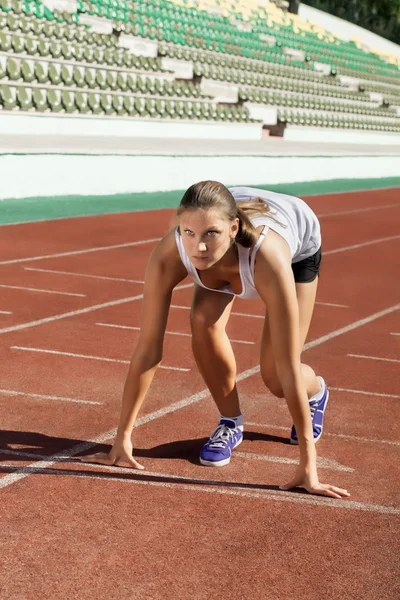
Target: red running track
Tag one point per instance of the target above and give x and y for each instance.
(180, 530)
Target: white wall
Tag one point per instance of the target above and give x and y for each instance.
(63, 175)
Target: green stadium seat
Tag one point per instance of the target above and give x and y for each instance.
(27, 70)
(90, 78)
(88, 54)
(13, 69)
(122, 81)
(68, 101)
(140, 105)
(18, 43)
(131, 81)
(43, 47)
(129, 104)
(160, 107)
(42, 71)
(24, 98)
(101, 79)
(67, 75)
(78, 76)
(55, 101)
(111, 79)
(55, 49)
(106, 104)
(8, 97)
(3, 67)
(55, 74)
(81, 101)
(40, 99)
(98, 55)
(31, 46)
(12, 23)
(94, 103)
(118, 104)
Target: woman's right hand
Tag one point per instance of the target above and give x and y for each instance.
(120, 452)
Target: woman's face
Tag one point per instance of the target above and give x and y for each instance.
(206, 235)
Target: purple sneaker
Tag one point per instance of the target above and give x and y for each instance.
(317, 409)
(217, 451)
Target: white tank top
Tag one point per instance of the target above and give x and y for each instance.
(294, 221)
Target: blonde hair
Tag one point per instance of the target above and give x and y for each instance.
(212, 194)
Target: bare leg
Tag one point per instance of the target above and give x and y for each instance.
(212, 349)
(306, 293)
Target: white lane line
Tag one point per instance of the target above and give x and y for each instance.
(331, 304)
(83, 275)
(101, 358)
(45, 397)
(362, 245)
(395, 360)
(394, 333)
(350, 438)
(357, 210)
(5, 312)
(226, 488)
(28, 289)
(351, 327)
(82, 311)
(75, 252)
(322, 463)
(113, 326)
(364, 392)
(184, 403)
(238, 314)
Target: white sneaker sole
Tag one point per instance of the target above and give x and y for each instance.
(219, 463)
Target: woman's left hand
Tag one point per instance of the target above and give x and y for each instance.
(310, 482)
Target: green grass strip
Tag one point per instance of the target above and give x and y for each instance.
(27, 210)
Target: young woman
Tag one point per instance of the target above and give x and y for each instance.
(248, 243)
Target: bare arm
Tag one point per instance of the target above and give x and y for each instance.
(164, 271)
(275, 284)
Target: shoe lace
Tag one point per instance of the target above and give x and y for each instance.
(313, 408)
(221, 436)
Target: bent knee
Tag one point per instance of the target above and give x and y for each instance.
(203, 321)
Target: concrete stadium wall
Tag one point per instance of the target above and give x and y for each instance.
(38, 175)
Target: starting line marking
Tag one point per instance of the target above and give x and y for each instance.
(396, 360)
(176, 482)
(82, 311)
(101, 358)
(394, 333)
(45, 397)
(75, 252)
(5, 312)
(322, 463)
(167, 332)
(23, 472)
(28, 289)
(83, 275)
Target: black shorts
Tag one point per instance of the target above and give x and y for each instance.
(306, 270)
